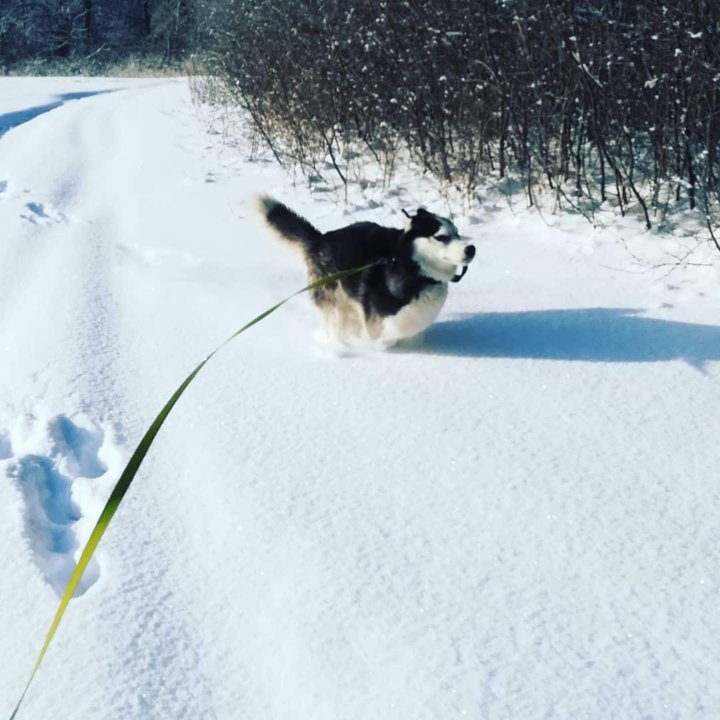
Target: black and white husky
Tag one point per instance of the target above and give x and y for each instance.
(396, 298)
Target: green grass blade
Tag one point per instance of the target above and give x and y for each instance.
(128, 474)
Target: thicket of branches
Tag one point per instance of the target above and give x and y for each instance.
(597, 99)
(92, 33)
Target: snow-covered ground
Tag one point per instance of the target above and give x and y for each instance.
(516, 517)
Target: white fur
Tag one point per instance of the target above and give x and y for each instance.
(346, 326)
(439, 260)
(344, 321)
(415, 317)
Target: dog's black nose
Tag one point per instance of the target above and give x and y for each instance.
(469, 252)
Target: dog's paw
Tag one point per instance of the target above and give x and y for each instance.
(347, 347)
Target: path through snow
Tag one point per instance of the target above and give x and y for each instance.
(514, 517)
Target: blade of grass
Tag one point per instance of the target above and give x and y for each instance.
(128, 474)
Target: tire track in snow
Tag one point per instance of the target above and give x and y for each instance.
(158, 660)
(46, 478)
(36, 221)
(9, 121)
(154, 672)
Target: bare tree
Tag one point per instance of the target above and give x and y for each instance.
(105, 30)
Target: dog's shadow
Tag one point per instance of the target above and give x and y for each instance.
(588, 334)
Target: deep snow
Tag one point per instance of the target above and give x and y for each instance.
(514, 517)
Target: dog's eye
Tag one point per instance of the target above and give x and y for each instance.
(442, 238)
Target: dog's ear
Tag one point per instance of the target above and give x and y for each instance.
(407, 222)
(419, 219)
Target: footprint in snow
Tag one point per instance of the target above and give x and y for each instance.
(45, 481)
(5, 447)
(43, 214)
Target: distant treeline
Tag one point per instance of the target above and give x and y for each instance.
(93, 33)
(598, 99)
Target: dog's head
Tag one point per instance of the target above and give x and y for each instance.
(437, 246)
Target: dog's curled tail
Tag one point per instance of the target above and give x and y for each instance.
(286, 223)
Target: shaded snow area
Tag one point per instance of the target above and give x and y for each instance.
(516, 516)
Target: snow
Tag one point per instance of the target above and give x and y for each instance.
(514, 516)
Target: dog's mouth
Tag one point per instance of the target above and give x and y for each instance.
(457, 277)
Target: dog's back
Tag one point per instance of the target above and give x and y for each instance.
(348, 247)
(360, 244)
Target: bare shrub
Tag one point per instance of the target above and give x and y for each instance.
(597, 99)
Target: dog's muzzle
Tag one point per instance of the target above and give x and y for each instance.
(469, 255)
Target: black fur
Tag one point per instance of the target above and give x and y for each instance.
(382, 289)
(403, 287)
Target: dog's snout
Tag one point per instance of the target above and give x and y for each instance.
(469, 252)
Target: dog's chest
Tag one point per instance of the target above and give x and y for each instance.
(414, 317)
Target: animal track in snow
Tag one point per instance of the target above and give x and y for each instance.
(43, 214)
(5, 447)
(78, 447)
(9, 191)
(32, 211)
(45, 481)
